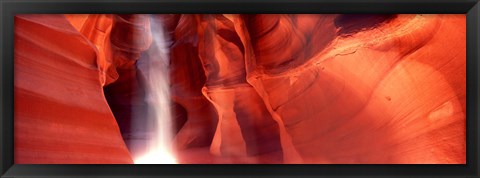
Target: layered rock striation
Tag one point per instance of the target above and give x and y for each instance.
(316, 89)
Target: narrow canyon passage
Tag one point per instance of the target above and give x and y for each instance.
(240, 89)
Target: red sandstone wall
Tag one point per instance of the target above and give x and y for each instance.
(61, 115)
(246, 88)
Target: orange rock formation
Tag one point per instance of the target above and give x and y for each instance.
(360, 89)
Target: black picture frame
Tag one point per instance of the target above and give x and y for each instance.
(9, 8)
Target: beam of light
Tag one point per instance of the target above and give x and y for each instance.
(155, 70)
(156, 157)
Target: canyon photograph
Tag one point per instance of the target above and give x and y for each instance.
(240, 89)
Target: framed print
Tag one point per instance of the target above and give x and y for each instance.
(239, 88)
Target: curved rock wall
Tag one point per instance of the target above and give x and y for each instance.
(246, 88)
(61, 115)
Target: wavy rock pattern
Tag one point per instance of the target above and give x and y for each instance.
(246, 88)
(61, 115)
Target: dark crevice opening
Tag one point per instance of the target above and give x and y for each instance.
(353, 23)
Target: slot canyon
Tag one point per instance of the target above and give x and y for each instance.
(240, 89)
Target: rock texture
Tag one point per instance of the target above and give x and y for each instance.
(61, 115)
(320, 89)
(370, 96)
